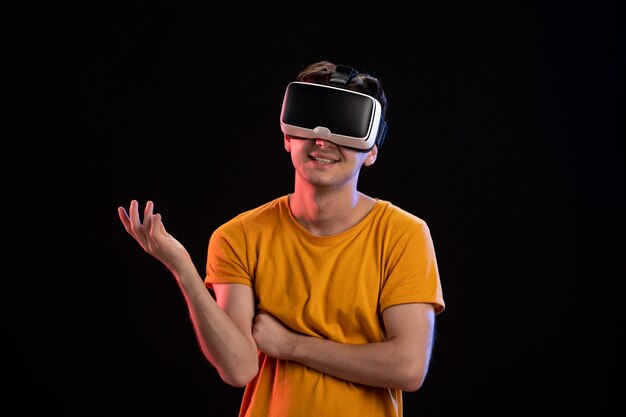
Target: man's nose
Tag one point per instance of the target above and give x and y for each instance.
(323, 143)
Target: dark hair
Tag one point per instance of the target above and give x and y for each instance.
(320, 73)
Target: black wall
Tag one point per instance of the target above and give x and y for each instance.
(506, 136)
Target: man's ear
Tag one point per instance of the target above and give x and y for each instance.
(371, 156)
(287, 142)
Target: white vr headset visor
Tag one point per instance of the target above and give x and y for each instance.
(344, 117)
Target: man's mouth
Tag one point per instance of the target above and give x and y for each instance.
(323, 161)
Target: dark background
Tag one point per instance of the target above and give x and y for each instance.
(506, 136)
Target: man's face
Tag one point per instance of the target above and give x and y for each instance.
(324, 164)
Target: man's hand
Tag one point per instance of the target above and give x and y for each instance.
(153, 237)
(272, 336)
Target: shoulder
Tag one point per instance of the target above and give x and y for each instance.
(263, 214)
(269, 208)
(399, 224)
(398, 215)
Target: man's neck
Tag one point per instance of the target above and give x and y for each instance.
(325, 213)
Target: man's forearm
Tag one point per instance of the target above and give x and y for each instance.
(389, 364)
(225, 345)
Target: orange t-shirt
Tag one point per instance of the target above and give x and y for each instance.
(332, 287)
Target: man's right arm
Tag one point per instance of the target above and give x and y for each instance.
(223, 327)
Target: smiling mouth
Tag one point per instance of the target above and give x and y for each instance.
(323, 161)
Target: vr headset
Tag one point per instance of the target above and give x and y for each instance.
(334, 113)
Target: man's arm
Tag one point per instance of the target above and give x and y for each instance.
(224, 331)
(401, 361)
(224, 328)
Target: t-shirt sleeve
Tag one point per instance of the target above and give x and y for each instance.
(412, 274)
(226, 257)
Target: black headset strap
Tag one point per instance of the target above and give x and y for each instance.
(382, 133)
(342, 75)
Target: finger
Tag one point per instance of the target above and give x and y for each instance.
(134, 215)
(127, 222)
(147, 218)
(156, 226)
(261, 316)
(121, 211)
(161, 227)
(135, 224)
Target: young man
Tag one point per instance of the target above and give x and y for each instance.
(325, 298)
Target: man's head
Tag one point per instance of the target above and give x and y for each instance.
(335, 103)
(321, 72)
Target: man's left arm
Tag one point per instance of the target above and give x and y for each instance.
(400, 361)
